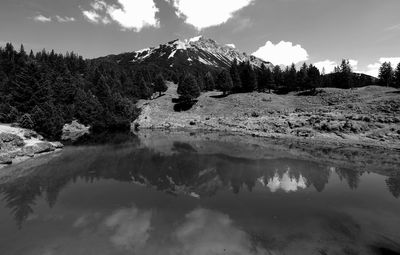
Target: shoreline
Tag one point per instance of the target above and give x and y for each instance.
(364, 117)
(18, 145)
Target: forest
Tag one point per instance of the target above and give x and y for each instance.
(45, 90)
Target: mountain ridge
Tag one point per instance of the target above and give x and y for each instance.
(189, 52)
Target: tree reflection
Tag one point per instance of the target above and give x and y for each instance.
(393, 184)
(183, 171)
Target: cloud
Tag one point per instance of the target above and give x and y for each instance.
(64, 19)
(207, 13)
(392, 28)
(326, 66)
(210, 232)
(283, 53)
(131, 228)
(373, 69)
(231, 45)
(329, 66)
(354, 64)
(41, 18)
(129, 14)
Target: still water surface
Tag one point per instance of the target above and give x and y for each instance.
(132, 198)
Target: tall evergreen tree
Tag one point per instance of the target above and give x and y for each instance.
(209, 82)
(248, 77)
(344, 75)
(314, 78)
(188, 89)
(224, 82)
(302, 77)
(386, 74)
(159, 84)
(235, 76)
(266, 79)
(397, 76)
(278, 76)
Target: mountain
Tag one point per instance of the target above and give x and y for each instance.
(195, 52)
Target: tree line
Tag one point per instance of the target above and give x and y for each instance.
(244, 77)
(43, 91)
(388, 76)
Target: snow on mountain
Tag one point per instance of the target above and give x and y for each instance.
(197, 50)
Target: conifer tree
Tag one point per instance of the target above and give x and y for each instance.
(159, 84)
(26, 121)
(234, 71)
(248, 77)
(224, 82)
(209, 82)
(188, 89)
(397, 76)
(386, 74)
(278, 77)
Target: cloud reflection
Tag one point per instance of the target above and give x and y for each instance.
(131, 228)
(210, 232)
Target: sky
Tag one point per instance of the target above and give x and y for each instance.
(321, 32)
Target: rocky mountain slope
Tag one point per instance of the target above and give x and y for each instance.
(198, 51)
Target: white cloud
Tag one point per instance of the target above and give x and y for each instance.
(327, 66)
(41, 18)
(354, 64)
(207, 13)
(394, 27)
(64, 19)
(373, 69)
(231, 45)
(92, 16)
(129, 14)
(283, 53)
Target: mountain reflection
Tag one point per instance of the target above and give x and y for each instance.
(182, 172)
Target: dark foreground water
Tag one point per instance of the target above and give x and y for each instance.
(175, 198)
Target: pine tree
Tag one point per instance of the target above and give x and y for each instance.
(159, 84)
(234, 71)
(188, 88)
(386, 74)
(145, 91)
(209, 82)
(224, 82)
(397, 76)
(314, 78)
(278, 77)
(302, 77)
(266, 79)
(345, 80)
(26, 121)
(248, 77)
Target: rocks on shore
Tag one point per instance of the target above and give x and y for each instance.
(21, 143)
(74, 130)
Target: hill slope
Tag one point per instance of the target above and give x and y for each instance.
(367, 116)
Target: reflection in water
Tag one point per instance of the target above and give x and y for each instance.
(131, 228)
(185, 173)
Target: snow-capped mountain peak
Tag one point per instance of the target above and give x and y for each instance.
(196, 51)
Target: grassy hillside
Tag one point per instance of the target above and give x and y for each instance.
(368, 115)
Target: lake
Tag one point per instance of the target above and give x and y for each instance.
(202, 194)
